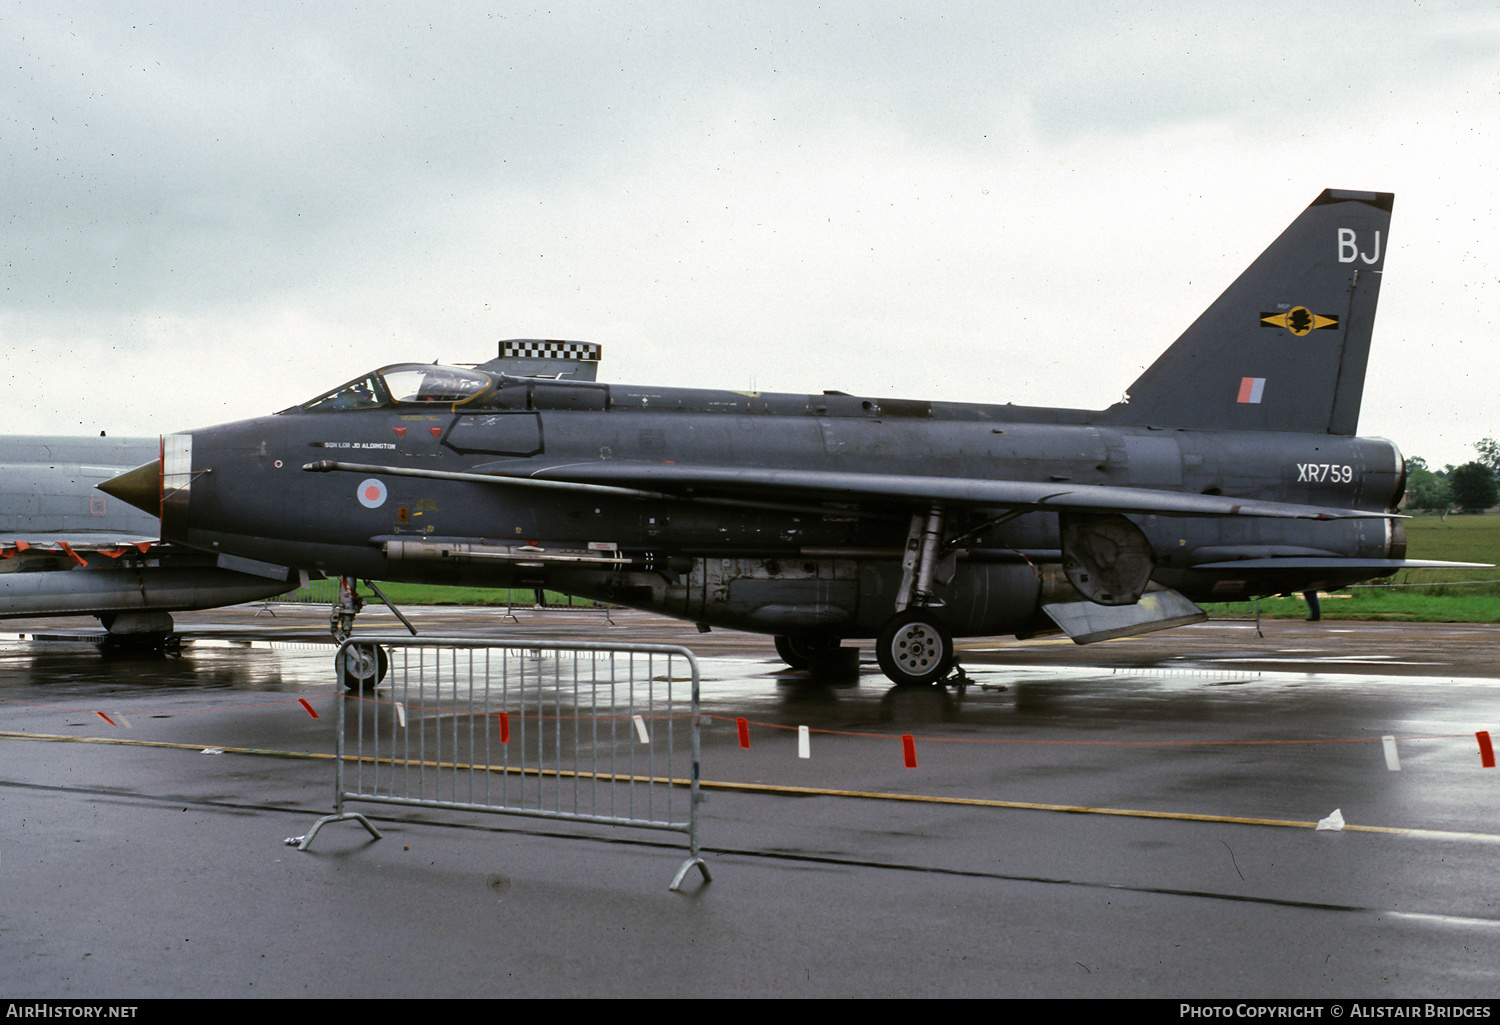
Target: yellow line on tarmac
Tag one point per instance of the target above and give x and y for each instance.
(776, 788)
(7, 735)
(1078, 809)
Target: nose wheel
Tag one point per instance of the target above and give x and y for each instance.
(915, 649)
(362, 666)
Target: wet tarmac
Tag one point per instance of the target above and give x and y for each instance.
(1128, 819)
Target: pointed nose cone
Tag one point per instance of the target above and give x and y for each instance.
(140, 487)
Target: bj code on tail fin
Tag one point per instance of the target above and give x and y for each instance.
(1285, 347)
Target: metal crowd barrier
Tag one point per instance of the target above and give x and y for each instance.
(604, 733)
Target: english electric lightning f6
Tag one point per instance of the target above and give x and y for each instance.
(1230, 470)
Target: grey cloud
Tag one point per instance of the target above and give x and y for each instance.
(185, 156)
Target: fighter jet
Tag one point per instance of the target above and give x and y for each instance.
(67, 550)
(1230, 470)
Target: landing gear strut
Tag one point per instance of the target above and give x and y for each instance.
(361, 667)
(341, 616)
(915, 647)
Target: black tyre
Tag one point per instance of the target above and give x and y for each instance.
(915, 649)
(361, 667)
(800, 652)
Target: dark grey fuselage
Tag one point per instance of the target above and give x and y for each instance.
(803, 571)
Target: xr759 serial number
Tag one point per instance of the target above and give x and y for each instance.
(1319, 473)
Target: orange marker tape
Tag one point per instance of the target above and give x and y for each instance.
(744, 726)
(1486, 751)
(304, 704)
(105, 718)
(909, 750)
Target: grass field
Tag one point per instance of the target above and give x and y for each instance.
(1429, 595)
(1440, 595)
(432, 594)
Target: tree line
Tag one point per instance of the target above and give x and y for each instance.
(1471, 487)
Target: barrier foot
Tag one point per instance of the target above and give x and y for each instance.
(342, 817)
(683, 871)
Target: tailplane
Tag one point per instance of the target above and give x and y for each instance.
(1285, 347)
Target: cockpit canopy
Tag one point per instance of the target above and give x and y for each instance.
(403, 384)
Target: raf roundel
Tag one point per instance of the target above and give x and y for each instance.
(371, 493)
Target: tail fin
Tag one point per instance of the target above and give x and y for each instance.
(1285, 347)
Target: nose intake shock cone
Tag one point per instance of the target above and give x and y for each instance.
(140, 487)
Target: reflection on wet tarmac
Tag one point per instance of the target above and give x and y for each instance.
(81, 668)
(1135, 798)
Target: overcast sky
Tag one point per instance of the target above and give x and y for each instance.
(214, 211)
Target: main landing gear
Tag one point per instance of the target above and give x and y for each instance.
(801, 652)
(821, 656)
(915, 647)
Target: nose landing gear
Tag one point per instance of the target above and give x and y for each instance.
(360, 667)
